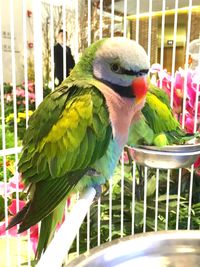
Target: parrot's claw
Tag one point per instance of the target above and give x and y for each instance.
(98, 191)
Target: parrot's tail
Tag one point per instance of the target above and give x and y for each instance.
(47, 205)
(18, 218)
(48, 228)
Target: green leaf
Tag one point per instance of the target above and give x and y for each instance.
(151, 186)
(2, 210)
(171, 197)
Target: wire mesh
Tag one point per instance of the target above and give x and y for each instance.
(137, 199)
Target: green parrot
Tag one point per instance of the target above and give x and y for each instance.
(76, 135)
(156, 123)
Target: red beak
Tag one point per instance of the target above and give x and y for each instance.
(139, 87)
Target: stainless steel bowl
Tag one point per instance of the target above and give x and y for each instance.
(168, 157)
(161, 249)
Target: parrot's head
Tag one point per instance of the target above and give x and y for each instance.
(123, 65)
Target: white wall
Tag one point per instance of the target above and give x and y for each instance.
(18, 29)
(18, 35)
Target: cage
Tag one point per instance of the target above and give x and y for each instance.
(137, 199)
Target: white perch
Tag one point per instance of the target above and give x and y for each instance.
(61, 243)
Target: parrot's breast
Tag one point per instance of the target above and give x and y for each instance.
(121, 112)
(103, 168)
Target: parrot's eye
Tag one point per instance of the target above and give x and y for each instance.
(142, 72)
(116, 68)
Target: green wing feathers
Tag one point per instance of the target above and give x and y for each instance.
(160, 94)
(157, 125)
(48, 227)
(67, 133)
(159, 115)
(81, 124)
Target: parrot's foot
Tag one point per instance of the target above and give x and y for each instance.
(93, 172)
(98, 191)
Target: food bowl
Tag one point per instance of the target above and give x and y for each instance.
(167, 157)
(160, 249)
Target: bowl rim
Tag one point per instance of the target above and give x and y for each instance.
(146, 239)
(185, 150)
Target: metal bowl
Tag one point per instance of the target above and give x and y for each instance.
(168, 157)
(161, 249)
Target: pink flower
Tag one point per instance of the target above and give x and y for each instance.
(31, 86)
(190, 79)
(191, 92)
(13, 206)
(5, 190)
(13, 231)
(189, 122)
(155, 68)
(179, 80)
(197, 166)
(34, 234)
(16, 183)
(12, 186)
(165, 76)
(31, 96)
(126, 157)
(20, 92)
(197, 163)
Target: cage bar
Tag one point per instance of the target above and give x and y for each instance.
(112, 18)
(99, 222)
(101, 20)
(162, 34)
(149, 30)
(122, 194)
(64, 37)
(76, 31)
(137, 21)
(38, 51)
(24, 26)
(4, 148)
(110, 208)
(89, 22)
(190, 197)
(186, 61)
(145, 199)
(52, 45)
(133, 199)
(174, 52)
(156, 200)
(125, 18)
(78, 235)
(88, 230)
(167, 200)
(14, 85)
(178, 198)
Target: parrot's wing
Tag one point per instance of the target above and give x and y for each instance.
(140, 133)
(62, 132)
(77, 132)
(158, 115)
(160, 94)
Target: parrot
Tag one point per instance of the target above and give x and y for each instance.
(76, 135)
(156, 123)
